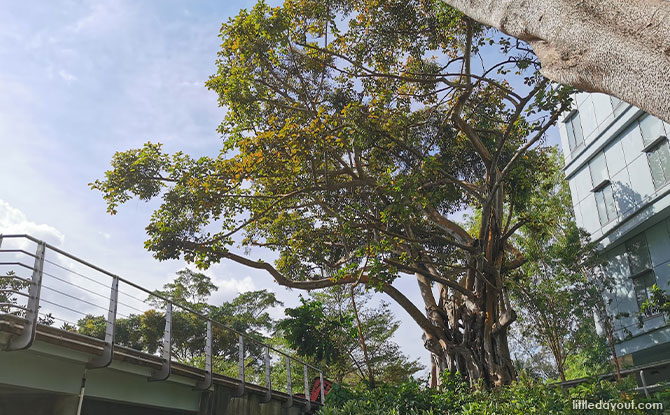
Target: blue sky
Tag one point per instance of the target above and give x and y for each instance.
(80, 80)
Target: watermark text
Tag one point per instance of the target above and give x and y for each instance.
(586, 405)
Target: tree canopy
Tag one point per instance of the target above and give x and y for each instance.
(355, 134)
(189, 288)
(246, 313)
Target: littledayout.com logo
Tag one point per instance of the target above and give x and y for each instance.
(583, 404)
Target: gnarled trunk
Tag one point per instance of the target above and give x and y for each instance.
(473, 321)
(476, 343)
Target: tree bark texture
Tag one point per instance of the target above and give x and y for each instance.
(471, 323)
(470, 335)
(617, 47)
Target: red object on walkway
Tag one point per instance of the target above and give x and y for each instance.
(315, 392)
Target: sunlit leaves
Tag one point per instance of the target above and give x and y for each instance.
(339, 133)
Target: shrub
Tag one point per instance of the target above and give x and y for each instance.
(526, 396)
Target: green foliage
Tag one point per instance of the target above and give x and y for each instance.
(93, 326)
(553, 297)
(591, 356)
(130, 332)
(140, 332)
(323, 329)
(526, 396)
(12, 283)
(658, 302)
(407, 398)
(152, 329)
(189, 288)
(312, 333)
(338, 125)
(247, 313)
(603, 389)
(662, 396)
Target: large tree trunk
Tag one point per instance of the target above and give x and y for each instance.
(473, 317)
(476, 342)
(619, 47)
(473, 330)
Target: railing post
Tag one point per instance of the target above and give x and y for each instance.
(644, 383)
(323, 395)
(27, 336)
(268, 381)
(207, 382)
(240, 368)
(164, 372)
(289, 387)
(308, 395)
(105, 359)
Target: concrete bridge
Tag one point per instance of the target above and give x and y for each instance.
(49, 370)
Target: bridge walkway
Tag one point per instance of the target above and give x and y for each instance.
(52, 369)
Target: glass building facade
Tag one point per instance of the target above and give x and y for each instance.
(618, 167)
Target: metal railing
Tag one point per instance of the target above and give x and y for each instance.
(62, 287)
(640, 372)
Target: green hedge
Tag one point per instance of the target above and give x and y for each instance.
(524, 397)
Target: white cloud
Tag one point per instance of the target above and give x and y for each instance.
(233, 286)
(105, 235)
(66, 76)
(102, 16)
(13, 221)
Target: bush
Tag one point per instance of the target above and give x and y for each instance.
(408, 398)
(526, 396)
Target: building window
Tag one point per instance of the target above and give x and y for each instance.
(602, 189)
(639, 259)
(643, 284)
(651, 128)
(641, 271)
(659, 163)
(618, 106)
(573, 125)
(598, 169)
(656, 146)
(605, 203)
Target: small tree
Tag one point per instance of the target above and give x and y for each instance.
(658, 302)
(247, 313)
(323, 328)
(9, 285)
(324, 337)
(189, 288)
(548, 290)
(598, 287)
